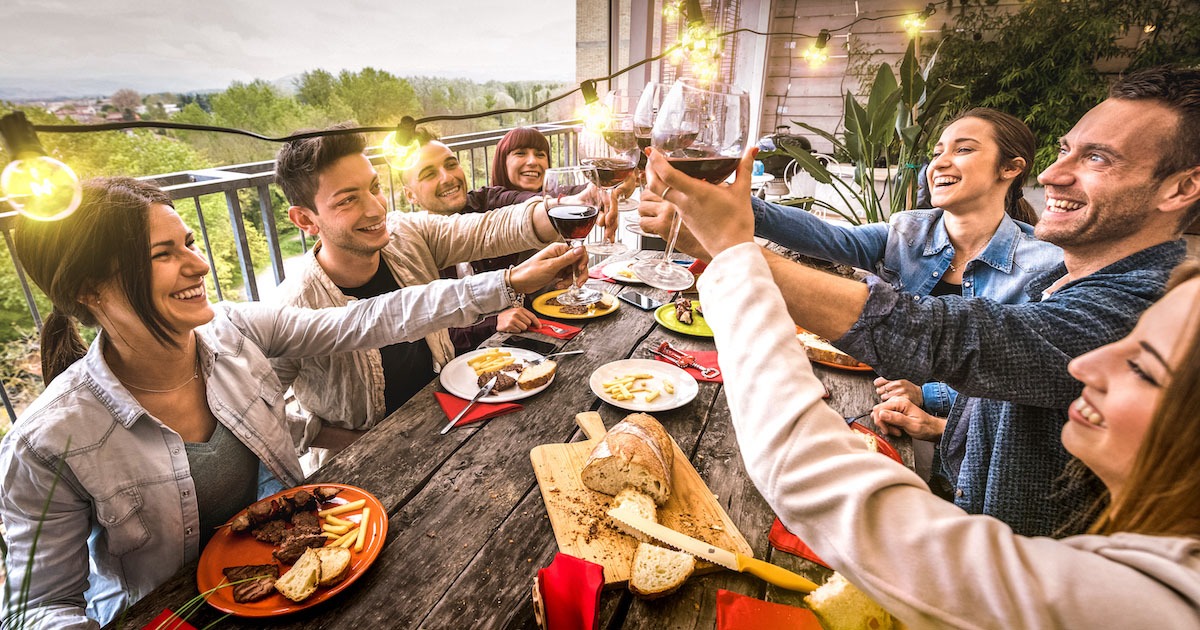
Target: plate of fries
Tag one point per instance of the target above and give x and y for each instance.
(461, 376)
(643, 385)
(621, 272)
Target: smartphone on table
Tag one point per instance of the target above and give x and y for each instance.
(640, 300)
(529, 343)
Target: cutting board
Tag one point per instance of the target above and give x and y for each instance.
(578, 514)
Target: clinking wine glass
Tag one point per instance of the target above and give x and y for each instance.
(702, 129)
(613, 154)
(573, 218)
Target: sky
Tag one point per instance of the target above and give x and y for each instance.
(53, 48)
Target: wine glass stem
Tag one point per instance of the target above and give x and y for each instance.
(676, 221)
(573, 290)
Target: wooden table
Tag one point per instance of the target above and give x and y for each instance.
(468, 529)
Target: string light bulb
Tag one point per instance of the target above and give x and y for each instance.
(595, 115)
(816, 54)
(673, 10)
(914, 24)
(35, 184)
(402, 148)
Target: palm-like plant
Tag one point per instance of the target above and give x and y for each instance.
(892, 130)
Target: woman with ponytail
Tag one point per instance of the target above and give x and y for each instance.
(976, 241)
(142, 444)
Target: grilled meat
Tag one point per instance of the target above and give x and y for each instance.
(293, 547)
(255, 589)
(272, 532)
(503, 380)
(683, 311)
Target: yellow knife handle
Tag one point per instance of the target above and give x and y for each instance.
(776, 575)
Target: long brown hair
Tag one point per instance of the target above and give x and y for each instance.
(519, 138)
(107, 238)
(1160, 496)
(1015, 140)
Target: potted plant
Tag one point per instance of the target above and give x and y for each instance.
(885, 141)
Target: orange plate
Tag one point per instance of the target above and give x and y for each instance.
(227, 549)
(885, 448)
(861, 367)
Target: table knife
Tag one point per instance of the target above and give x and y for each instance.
(482, 390)
(734, 561)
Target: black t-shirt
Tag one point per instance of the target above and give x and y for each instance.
(407, 366)
(945, 288)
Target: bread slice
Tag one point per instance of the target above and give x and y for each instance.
(870, 441)
(335, 564)
(657, 571)
(639, 503)
(818, 349)
(839, 605)
(301, 580)
(534, 376)
(636, 452)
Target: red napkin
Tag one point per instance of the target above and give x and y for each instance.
(451, 405)
(697, 267)
(596, 274)
(570, 592)
(784, 540)
(166, 620)
(707, 358)
(738, 612)
(571, 331)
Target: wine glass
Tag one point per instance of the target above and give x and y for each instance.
(644, 112)
(613, 154)
(702, 129)
(573, 219)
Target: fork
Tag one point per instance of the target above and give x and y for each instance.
(554, 354)
(558, 329)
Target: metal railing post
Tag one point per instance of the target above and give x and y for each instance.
(270, 231)
(243, 243)
(212, 262)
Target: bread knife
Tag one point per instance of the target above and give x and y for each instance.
(482, 390)
(734, 561)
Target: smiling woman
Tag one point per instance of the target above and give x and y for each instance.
(173, 388)
(522, 157)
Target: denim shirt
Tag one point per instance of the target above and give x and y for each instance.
(1009, 362)
(125, 502)
(911, 253)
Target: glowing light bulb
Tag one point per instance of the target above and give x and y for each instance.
(596, 117)
(815, 56)
(34, 184)
(41, 188)
(913, 24)
(672, 10)
(676, 56)
(400, 155)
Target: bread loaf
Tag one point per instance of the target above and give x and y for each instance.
(335, 564)
(637, 452)
(639, 503)
(839, 605)
(301, 580)
(534, 376)
(818, 349)
(657, 572)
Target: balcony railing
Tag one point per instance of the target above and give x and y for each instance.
(475, 152)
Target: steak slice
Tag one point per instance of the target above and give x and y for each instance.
(503, 380)
(272, 532)
(293, 547)
(305, 523)
(255, 589)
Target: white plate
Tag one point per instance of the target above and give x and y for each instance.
(613, 270)
(459, 378)
(685, 386)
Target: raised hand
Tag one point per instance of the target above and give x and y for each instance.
(549, 266)
(718, 216)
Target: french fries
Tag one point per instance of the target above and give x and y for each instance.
(342, 509)
(362, 530)
(342, 532)
(624, 387)
(490, 361)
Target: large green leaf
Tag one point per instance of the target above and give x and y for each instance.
(834, 140)
(912, 84)
(812, 166)
(858, 129)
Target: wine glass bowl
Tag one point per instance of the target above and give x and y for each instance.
(612, 154)
(573, 219)
(702, 130)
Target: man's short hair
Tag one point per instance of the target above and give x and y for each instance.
(299, 163)
(1178, 88)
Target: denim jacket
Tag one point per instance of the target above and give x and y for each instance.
(911, 253)
(125, 501)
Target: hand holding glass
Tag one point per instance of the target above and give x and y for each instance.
(573, 219)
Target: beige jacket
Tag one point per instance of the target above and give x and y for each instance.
(924, 559)
(346, 390)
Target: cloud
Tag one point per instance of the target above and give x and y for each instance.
(172, 45)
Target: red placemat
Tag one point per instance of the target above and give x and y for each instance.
(548, 328)
(707, 358)
(739, 612)
(452, 404)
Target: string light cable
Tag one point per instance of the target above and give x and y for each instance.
(44, 188)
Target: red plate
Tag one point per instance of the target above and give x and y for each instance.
(227, 549)
(884, 447)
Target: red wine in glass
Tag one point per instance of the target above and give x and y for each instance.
(714, 169)
(670, 142)
(622, 140)
(610, 171)
(573, 222)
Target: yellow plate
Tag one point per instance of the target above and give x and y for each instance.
(607, 304)
(665, 315)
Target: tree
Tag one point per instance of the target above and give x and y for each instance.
(377, 97)
(126, 99)
(315, 88)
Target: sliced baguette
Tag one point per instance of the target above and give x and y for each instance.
(839, 605)
(641, 504)
(818, 349)
(335, 564)
(657, 572)
(636, 452)
(534, 376)
(301, 580)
